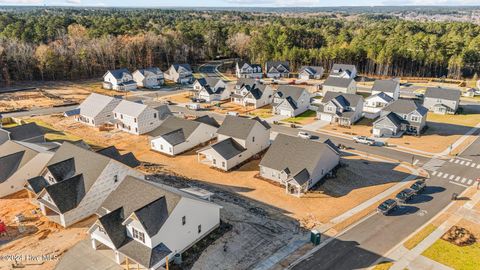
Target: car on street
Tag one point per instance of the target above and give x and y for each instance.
(419, 186)
(193, 106)
(387, 206)
(198, 100)
(304, 135)
(405, 195)
(364, 140)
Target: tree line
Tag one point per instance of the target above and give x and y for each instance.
(67, 43)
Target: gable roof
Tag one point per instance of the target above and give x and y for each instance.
(392, 118)
(277, 66)
(253, 66)
(388, 86)
(443, 93)
(150, 71)
(405, 106)
(294, 155)
(130, 108)
(67, 194)
(343, 67)
(208, 120)
(144, 255)
(37, 184)
(338, 82)
(118, 73)
(25, 132)
(227, 148)
(381, 95)
(14, 155)
(112, 224)
(182, 67)
(312, 70)
(175, 130)
(294, 92)
(343, 99)
(239, 127)
(112, 152)
(153, 215)
(95, 103)
(255, 87)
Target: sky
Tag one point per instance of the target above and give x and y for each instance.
(236, 3)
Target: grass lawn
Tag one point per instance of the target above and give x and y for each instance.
(459, 258)
(417, 238)
(307, 116)
(383, 266)
(54, 135)
(264, 112)
(468, 120)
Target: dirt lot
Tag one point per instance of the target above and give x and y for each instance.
(361, 128)
(41, 237)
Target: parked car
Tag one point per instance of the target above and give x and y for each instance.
(232, 113)
(193, 106)
(387, 206)
(364, 140)
(405, 195)
(304, 135)
(419, 186)
(198, 100)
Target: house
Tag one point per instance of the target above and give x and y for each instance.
(179, 73)
(137, 118)
(75, 182)
(30, 132)
(20, 161)
(441, 100)
(143, 223)
(248, 71)
(277, 69)
(389, 87)
(344, 71)
(252, 93)
(340, 85)
(177, 135)
(238, 139)
(119, 79)
(341, 109)
(97, 110)
(471, 92)
(401, 116)
(290, 100)
(298, 163)
(375, 103)
(151, 77)
(310, 72)
(211, 89)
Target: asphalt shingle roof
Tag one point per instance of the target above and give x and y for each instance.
(25, 132)
(13, 156)
(239, 127)
(118, 73)
(337, 82)
(144, 255)
(227, 148)
(387, 86)
(290, 91)
(96, 103)
(343, 99)
(405, 106)
(443, 93)
(312, 70)
(150, 71)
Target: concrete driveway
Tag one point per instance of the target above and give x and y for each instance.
(83, 257)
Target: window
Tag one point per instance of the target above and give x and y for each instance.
(93, 122)
(115, 115)
(161, 146)
(214, 161)
(184, 220)
(153, 145)
(100, 229)
(223, 164)
(199, 228)
(115, 178)
(121, 116)
(253, 139)
(134, 120)
(155, 115)
(138, 235)
(136, 129)
(414, 118)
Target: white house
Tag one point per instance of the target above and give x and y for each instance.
(344, 71)
(137, 118)
(151, 77)
(248, 71)
(310, 72)
(177, 135)
(340, 85)
(277, 69)
(290, 100)
(143, 223)
(252, 93)
(389, 87)
(97, 110)
(401, 116)
(20, 161)
(375, 103)
(179, 73)
(340, 109)
(238, 139)
(75, 182)
(298, 163)
(211, 89)
(30, 132)
(119, 79)
(441, 100)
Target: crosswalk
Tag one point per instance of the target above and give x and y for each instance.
(465, 162)
(433, 164)
(454, 178)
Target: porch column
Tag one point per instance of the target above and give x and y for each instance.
(118, 257)
(94, 243)
(42, 208)
(286, 187)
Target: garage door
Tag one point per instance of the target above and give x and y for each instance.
(379, 132)
(285, 112)
(326, 117)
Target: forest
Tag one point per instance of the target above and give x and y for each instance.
(74, 43)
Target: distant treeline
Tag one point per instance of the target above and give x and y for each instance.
(66, 43)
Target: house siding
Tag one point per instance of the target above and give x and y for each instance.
(202, 134)
(430, 102)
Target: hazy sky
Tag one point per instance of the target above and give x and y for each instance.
(224, 3)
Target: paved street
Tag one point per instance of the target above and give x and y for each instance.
(368, 241)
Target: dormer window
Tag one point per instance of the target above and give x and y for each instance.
(140, 236)
(199, 228)
(115, 178)
(184, 220)
(155, 115)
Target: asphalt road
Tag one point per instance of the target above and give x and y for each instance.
(370, 240)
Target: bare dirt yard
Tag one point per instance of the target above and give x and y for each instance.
(361, 128)
(36, 236)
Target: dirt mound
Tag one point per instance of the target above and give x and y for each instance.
(459, 236)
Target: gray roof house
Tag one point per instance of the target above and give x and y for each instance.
(290, 100)
(248, 70)
(343, 71)
(238, 139)
(389, 87)
(177, 135)
(375, 103)
(401, 116)
(29, 132)
(252, 93)
(151, 77)
(298, 163)
(97, 110)
(180, 73)
(211, 89)
(119, 79)
(74, 183)
(277, 69)
(441, 100)
(144, 222)
(340, 85)
(20, 161)
(340, 109)
(310, 72)
(137, 118)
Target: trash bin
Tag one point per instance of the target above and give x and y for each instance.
(315, 237)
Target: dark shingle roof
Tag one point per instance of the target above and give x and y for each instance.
(383, 96)
(118, 73)
(443, 93)
(208, 120)
(184, 66)
(153, 215)
(112, 224)
(312, 70)
(63, 169)
(405, 106)
(290, 91)
(239, 127)
(343, 99)
(37, 183)
(228, 148)
(280, 66)
(150, 71)
(144, 255)
(128, 159)
(9, 164)
(388, 86)
(175, 130)
(25, 132)
(337, 82)
(67, 194)
(343, 67)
